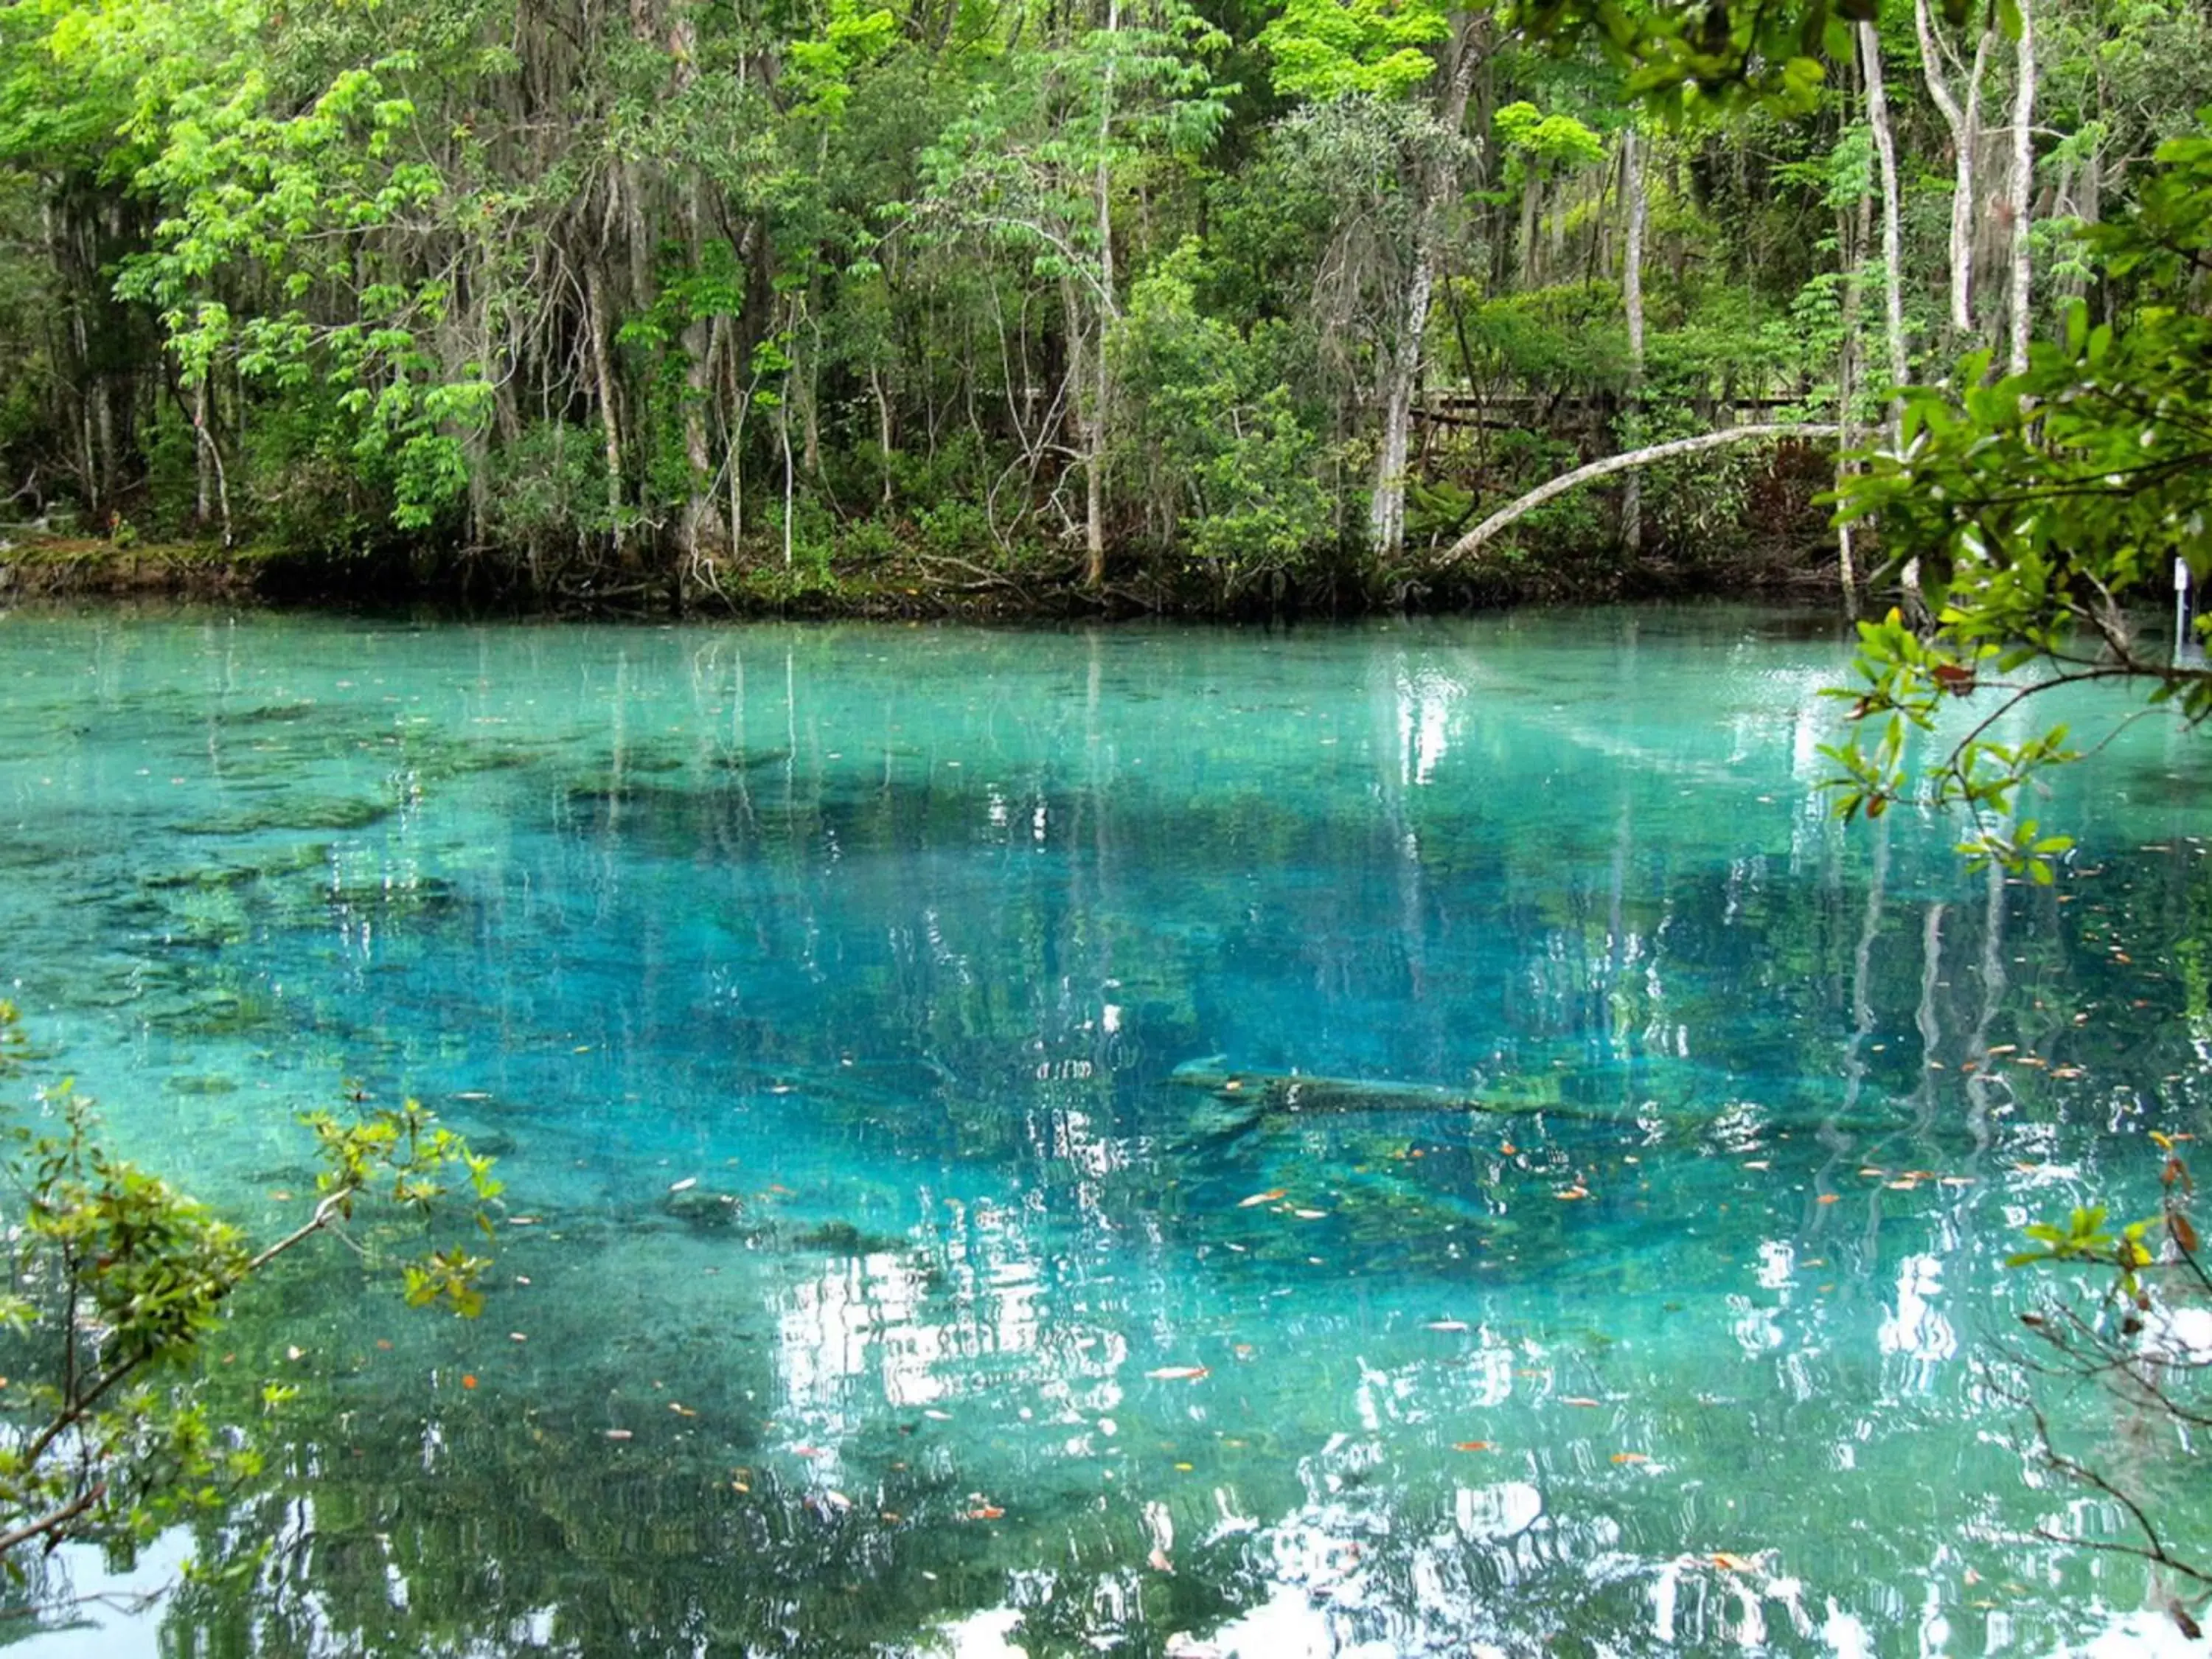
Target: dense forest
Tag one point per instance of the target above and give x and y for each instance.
(1207, 306)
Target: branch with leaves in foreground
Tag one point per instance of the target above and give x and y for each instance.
(2147, 1344)
(117, 1280)
(2040, 507)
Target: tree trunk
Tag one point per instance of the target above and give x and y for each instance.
(2021, 188)
(1850, 241)
(701, 516)
(884, 433)
(1386, 519)
(203, 472)
(603, 374)
(1094, 435)
(1892, 283)
(1631, 299)
(1964, 117)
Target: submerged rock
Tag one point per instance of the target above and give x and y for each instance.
(749, 760)
(703, 1208)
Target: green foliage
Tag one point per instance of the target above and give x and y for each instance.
(2040, 505)
(1328, 49)
(1691, 58)
(117, 1281)
(1549, 140)
(821, 69)
(1211, 422)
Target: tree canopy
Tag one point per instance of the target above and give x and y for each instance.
(744, 306)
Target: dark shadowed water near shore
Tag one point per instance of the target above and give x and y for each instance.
(1623, 1275)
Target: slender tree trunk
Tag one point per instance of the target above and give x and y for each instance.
(2022, 188)
(883, 426)
(790, 481)
(1892, 258)
(603, 373)
(1631, 297)
(1386, 519)
(1851, 231)
(203, 473)
(1531, 181)
(210, 457)
(698, 344)
(1963, 116)
(1094, 468)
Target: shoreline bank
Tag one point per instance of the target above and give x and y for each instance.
(904, 586)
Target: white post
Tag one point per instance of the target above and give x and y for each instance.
(2181, 606)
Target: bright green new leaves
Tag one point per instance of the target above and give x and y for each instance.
(1022, 165)
(1550, 140)
(1326, 49)
(306, 199)
(820, 69)
(2085, 1237)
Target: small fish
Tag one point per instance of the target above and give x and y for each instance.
(1178, 1373)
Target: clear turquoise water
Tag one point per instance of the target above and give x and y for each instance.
(893, 937)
